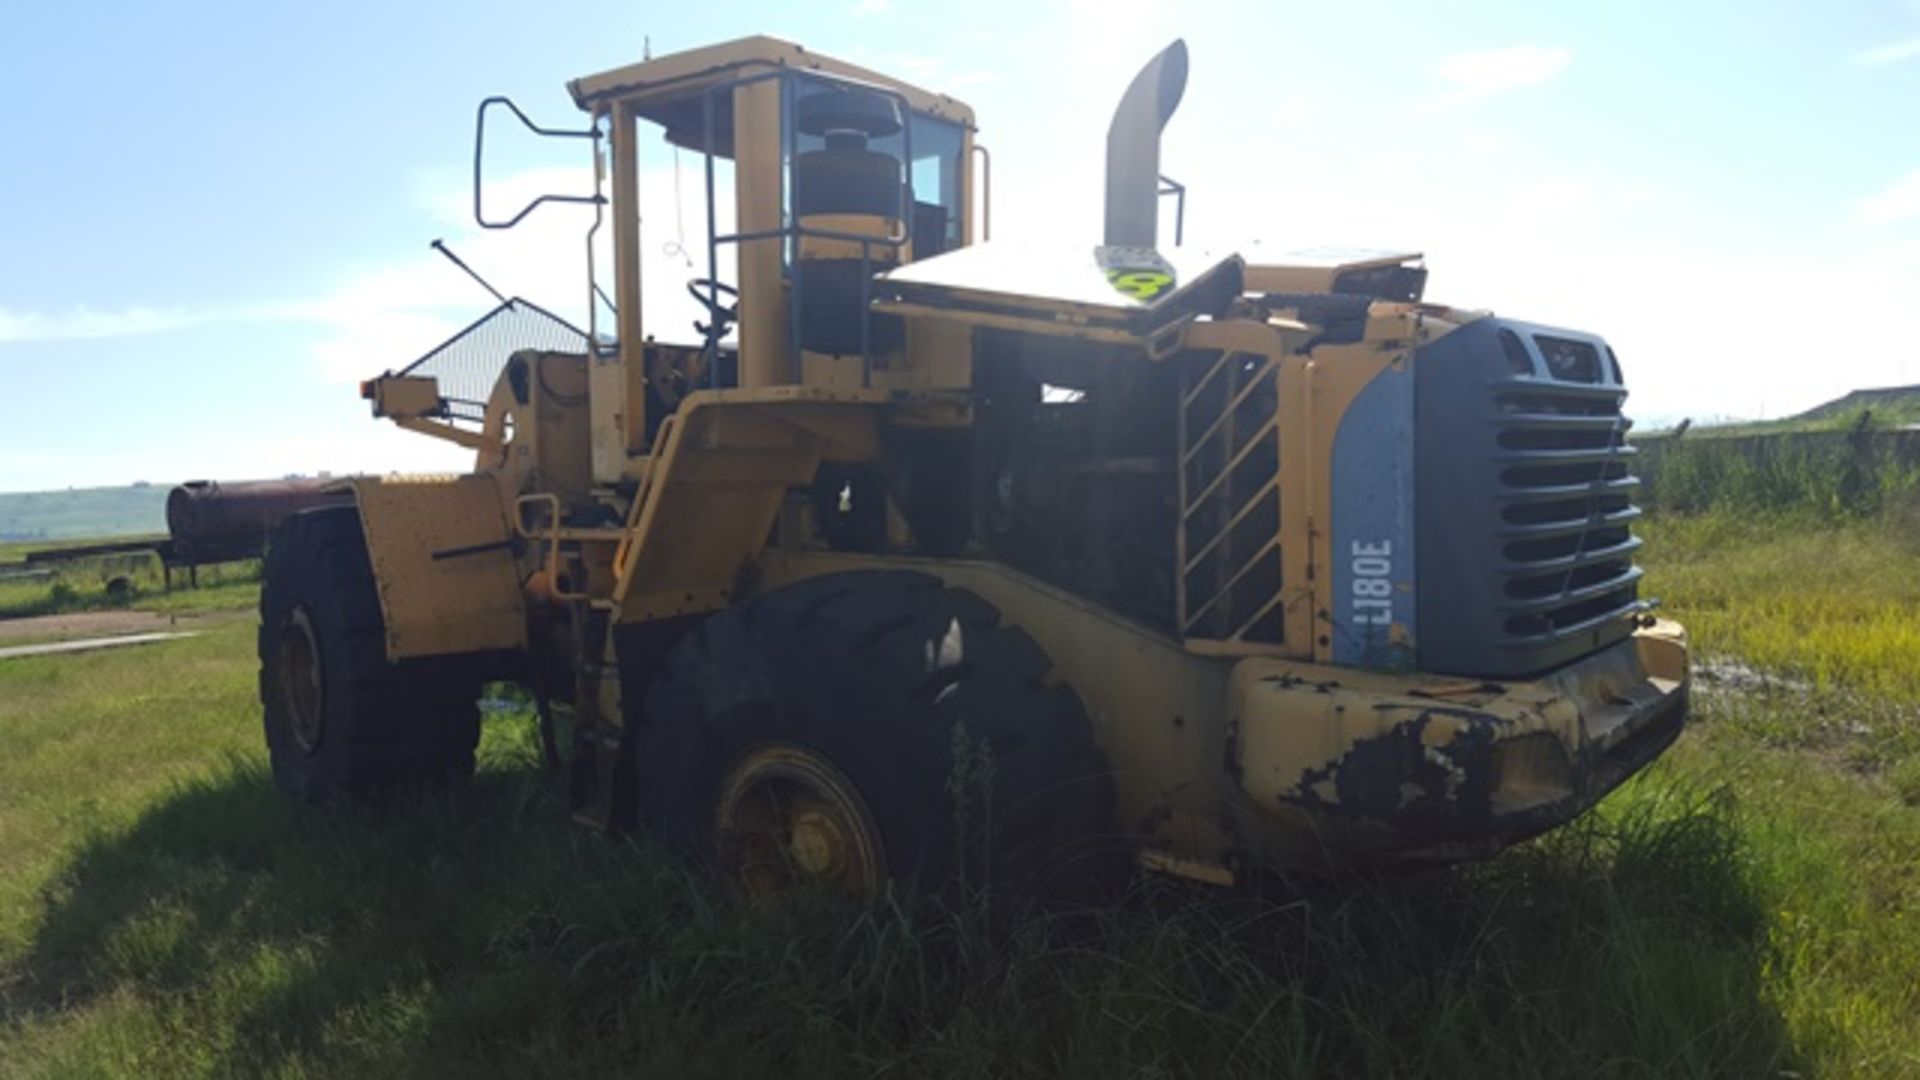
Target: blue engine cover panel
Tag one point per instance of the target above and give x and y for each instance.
(1372, 531)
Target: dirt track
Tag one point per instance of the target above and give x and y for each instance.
(96, 624)
(52, 648)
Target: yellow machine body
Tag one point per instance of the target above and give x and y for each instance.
(634, 484)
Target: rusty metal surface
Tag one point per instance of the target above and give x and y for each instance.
(214, 520)
(1415, 770)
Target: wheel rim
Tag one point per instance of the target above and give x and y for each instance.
(300, 680)
(788, 819)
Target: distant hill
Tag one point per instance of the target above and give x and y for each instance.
(84, 513)
(1891, 406)
(1886, 407)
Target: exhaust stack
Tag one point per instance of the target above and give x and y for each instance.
(1133, 148)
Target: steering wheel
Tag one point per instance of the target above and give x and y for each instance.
(704, 290)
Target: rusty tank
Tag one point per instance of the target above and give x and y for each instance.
(215, 520)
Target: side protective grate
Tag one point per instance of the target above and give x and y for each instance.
(1228, 538)
(469, 363)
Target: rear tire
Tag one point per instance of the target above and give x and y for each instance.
(866, 677)
(341, 721)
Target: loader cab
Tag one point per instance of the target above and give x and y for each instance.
(813, 176)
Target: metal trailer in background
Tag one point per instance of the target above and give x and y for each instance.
(212, 521)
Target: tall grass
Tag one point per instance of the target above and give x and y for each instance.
(1854, 475)
(166, 912)
(197, 924)
(1834, 604)
(1806, 627)
(127, 581)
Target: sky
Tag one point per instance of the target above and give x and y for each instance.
(215, 217)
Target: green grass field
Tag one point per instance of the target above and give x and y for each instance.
(1746, 908)
(88, 585)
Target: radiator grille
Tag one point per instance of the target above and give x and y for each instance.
(1524, 500)
(1564, 492)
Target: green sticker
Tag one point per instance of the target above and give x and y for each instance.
(1140, 284)
(1138, 273)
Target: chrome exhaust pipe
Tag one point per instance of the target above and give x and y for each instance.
(1133, 148)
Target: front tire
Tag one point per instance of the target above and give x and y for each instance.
(872, 726)
(342, 723)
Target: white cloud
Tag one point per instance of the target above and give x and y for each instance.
(1899, 201)
(365, 343)
(917, 68)
(1104, 42)
(927, 72)
(354, 444)
(380, 316)
(1901, 252)
(83, 322)
(1515, 230)
(1886, 54)
(1476, 76)
(871, 7)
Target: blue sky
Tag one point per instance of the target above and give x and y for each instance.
(214, 217)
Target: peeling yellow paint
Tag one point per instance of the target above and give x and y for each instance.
(1441, 729)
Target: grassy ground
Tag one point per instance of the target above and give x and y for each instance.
(1831, 604)
(123, 581)
(1811, 631)
(1747, 906)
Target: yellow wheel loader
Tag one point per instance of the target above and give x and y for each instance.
(924, 558)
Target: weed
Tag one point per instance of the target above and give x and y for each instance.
(1905, 779)
(129, 581)
(1832, 604)
(221, 930)
(1850, 474)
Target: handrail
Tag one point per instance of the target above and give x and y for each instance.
(479, 148)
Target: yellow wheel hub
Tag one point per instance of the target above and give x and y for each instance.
(788, 818)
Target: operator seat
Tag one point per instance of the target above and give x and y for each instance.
(846, 187)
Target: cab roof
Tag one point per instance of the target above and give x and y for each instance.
(658, 84)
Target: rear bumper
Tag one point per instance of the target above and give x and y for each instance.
(1396, 767)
